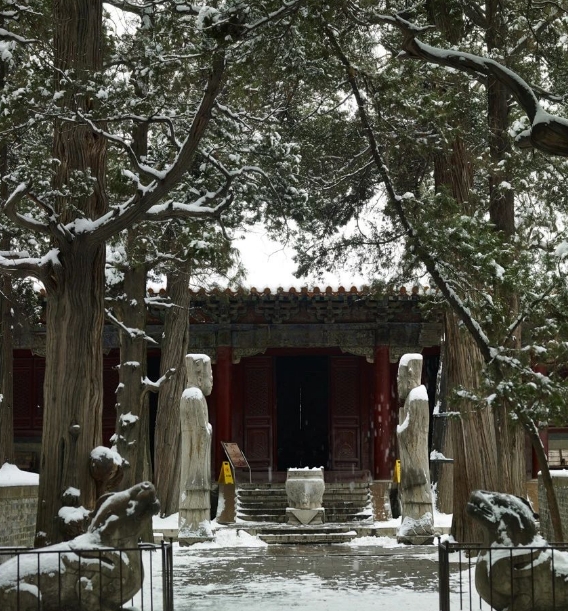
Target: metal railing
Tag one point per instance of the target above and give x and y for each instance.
(504, 587)
(97, 578)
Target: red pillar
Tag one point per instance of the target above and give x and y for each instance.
(222, 383)
(382, 417)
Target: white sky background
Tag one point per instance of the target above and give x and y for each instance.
(270, 264)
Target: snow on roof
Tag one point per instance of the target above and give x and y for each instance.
(10, 475)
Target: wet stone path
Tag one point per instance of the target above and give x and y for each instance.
(311, 577)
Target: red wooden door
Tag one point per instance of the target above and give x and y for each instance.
(345, 421)
(29, 372)
(258, 409)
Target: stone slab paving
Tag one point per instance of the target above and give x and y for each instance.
(311, 577)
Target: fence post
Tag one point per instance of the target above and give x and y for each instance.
(167, 575)
(444, 575)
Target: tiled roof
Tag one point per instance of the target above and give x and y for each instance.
(402, 292)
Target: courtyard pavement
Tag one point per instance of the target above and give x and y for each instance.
(244, 575)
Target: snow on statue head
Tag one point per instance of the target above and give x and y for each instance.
(86, 574)
(409, 375)
(199, 373)
(519, 579)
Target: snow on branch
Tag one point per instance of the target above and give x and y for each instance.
(548, 133)
(150, 386)
(146, 197)
(131, 332)
(21, 265)
(200, 208)
(133, 7)
(167, 121)
(122, 143)
(52, 227)
(7, 35)
(398, 203)
(284, 10)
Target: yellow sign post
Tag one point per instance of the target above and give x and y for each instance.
(396, 474)
(226, 475)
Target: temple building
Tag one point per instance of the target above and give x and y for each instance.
(301, 378)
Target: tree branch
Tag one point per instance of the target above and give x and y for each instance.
(10, 210)
(21, 265)
(549, 133)
(150, 386)
(147, 196)
(133, 333)
(142, 168)
(53, 227)
(131, 7)
(397, 201)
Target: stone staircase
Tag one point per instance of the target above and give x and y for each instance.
(343, 503)
(304, 535)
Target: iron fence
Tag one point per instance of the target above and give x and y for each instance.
(65, 578)
(515, 585)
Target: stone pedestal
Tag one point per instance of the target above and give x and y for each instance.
(305, 488)
(303, 517)
(416, 532)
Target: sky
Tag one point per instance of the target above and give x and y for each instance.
(270, 264)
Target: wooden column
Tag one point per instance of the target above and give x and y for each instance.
(222, 383)
(382, 417)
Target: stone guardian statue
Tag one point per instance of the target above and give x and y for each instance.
(100, 570)
(195, 472)
(417, 526)
(528, 576)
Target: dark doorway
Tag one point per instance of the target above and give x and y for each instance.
(302, 390)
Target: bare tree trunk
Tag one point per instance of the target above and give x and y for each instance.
(73, 386)
(73, 396)
(442, 440)
(510, 449)
(133, 418)
(499, 465)
(6, 368)
(472, 434)
(132, 409)
(6, 325)
(132, 438)
(175, 344)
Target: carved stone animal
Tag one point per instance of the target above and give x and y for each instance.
(84, 574)
(516, 578)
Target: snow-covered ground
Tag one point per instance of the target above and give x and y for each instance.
(239, 572)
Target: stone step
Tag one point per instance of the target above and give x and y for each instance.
(258, 511)
(351, 517)
(321, 528)
(281, 519)
(282, 487)
(330, 517)
(307, 535)
(300, 539)
(281, 494)
(272, 507)
(262, 494)
(282, 504)
(343, 502)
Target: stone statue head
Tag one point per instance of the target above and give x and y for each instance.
(198, 367)
(409, 375)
